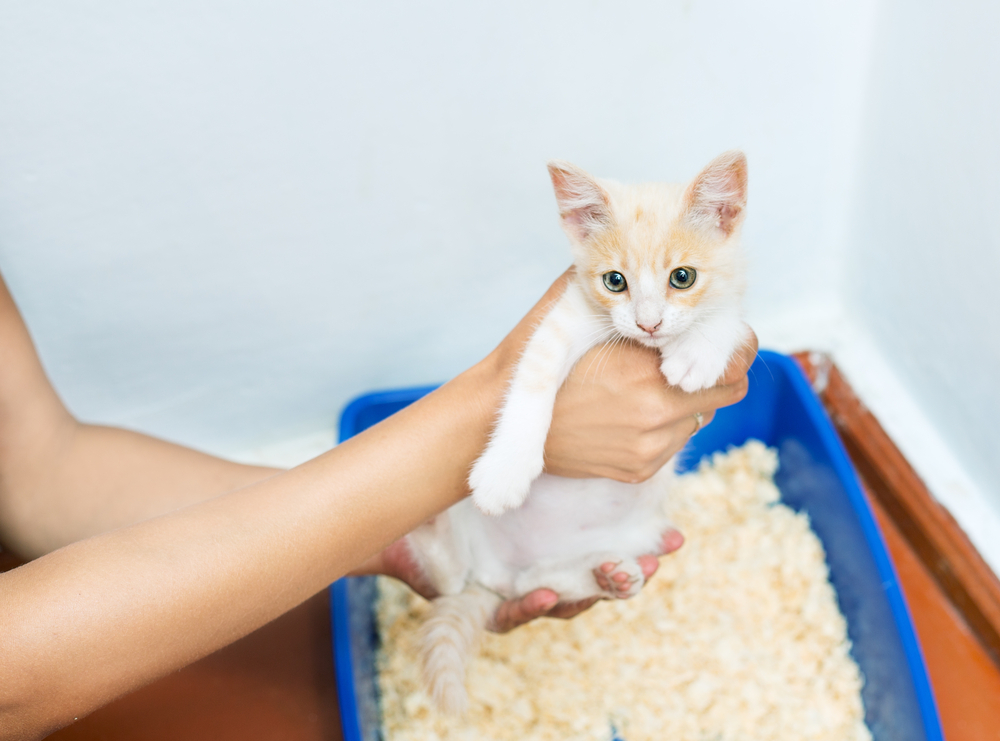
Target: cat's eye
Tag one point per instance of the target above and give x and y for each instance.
(683, 278)
(615, 282)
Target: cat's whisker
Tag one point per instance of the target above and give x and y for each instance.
(616, 342)
(600, 334)
(704, 336)
(746, 364)
(595, 362)
(599, 337)
(745, 343)
(766, 366)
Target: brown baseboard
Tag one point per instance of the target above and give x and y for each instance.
(937, 539)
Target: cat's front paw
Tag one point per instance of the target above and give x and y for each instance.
(619, 578)
(500, 484)
(693, 366)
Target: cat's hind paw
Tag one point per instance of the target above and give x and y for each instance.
(619, 578)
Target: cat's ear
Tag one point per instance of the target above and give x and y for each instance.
(584, 206)
(716, 200)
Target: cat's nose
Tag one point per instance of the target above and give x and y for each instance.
(647, 328)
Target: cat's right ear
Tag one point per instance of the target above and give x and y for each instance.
(584, 206)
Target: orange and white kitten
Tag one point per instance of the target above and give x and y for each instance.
(657, 264)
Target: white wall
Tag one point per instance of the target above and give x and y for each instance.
(923, 258)
(223, 220)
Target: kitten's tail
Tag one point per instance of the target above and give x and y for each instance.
(448, 639)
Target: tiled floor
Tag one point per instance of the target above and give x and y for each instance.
(966, 682)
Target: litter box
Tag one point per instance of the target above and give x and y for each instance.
(814, 475)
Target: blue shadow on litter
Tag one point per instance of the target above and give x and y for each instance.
(814, 476)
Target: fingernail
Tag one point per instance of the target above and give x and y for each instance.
(649, 565)
(672, 540)
(547, 602)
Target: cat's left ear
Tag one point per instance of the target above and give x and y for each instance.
(716, 200)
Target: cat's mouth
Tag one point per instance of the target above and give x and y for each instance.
(654, 340)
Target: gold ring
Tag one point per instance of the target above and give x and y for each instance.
(699, 419)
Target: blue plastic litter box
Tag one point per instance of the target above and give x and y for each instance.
(814, 475)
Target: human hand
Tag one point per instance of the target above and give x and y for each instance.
(545, 602)
(397, 561)
(616, 417)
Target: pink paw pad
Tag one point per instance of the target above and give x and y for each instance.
(619, 579)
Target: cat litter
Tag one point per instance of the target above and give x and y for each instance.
(738, 636)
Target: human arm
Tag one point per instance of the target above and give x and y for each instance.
(99, 617)
(62, 481)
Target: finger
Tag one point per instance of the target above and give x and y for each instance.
(668, 441)
(741, 361)
(513, 613)
(706, 419)
(670, 541)
(682, 404)
(567, 610)
(721, 395)
(648, 564)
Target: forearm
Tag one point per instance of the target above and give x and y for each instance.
(61, 481)
(125, 607)
(93, 479)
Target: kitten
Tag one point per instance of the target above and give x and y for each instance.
(656, 264)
